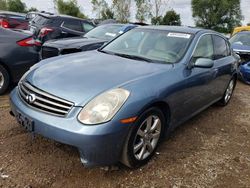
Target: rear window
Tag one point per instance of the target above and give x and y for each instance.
(41, 20)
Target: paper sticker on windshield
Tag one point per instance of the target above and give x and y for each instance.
(179, 35)
(110, 34)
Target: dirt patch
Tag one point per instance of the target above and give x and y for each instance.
(211, 150)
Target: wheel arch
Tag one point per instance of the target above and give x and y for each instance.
(164, 107)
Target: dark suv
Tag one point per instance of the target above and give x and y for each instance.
(49, 26)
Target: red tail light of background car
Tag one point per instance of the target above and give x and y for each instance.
(44, 31)
(4, 23)
(29, 42)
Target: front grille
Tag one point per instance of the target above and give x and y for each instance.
(48, 52)
(43, 101)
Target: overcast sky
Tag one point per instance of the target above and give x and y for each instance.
(182, 7)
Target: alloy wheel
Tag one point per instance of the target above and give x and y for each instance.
(147, 137)
(229, 91)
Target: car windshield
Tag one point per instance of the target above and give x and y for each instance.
(150, 45)
(241, 38)
(106, 32)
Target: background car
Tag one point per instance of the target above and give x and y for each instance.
(92, 40)
(13, 20)
(241, 45)
(116, 103)
(49, 26)
(17, 54)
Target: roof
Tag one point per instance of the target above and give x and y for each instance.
(241, 28)
(243, 31)
(185, 29)
(12, 13)
(48, 15)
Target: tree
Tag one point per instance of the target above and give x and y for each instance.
(219, 15)
(107, 14)
(122, 10)
(32, 9)
(156, 20)
(157, 10)
(159, 6)
(3, 5)
(16, 6)
(143, 10)
(70, 8)
(102, 10)
(171, 18)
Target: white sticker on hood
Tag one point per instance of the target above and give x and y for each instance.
(179, 35)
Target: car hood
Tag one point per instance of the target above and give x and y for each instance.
(76, 42)
(240, 48)
(80, 77)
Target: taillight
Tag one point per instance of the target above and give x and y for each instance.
(44, 31)
(4, 23)
(29, 42)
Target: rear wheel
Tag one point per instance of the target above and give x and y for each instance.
(4, 80)
(228, 93)
(144, 138)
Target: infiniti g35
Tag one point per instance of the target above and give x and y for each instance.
(117, 103)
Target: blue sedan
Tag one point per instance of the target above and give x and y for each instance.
(117, 103)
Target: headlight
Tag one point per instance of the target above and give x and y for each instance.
(103, 107)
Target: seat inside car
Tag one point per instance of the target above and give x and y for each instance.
(161, 47)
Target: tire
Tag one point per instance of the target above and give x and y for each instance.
(228, 93)
(146, 141)
(4, 80)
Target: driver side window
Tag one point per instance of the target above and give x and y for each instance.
(204, 48)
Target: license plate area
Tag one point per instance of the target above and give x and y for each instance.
(25, 122)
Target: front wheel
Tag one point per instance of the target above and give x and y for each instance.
(228, 93)
(144, 138)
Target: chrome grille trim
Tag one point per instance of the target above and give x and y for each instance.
(44, 101)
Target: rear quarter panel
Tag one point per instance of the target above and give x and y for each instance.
(16, 58)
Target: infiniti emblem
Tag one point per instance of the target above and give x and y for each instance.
(30, 98)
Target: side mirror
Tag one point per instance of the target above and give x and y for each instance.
(203, 63)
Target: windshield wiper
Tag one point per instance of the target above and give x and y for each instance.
(135, 57)
(106, 52)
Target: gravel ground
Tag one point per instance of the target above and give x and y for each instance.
(210, 150)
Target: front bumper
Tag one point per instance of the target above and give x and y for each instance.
(98, 144)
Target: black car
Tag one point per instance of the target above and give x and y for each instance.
(18, 52)
(13, 20)
(92, 40)
(49, 26)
